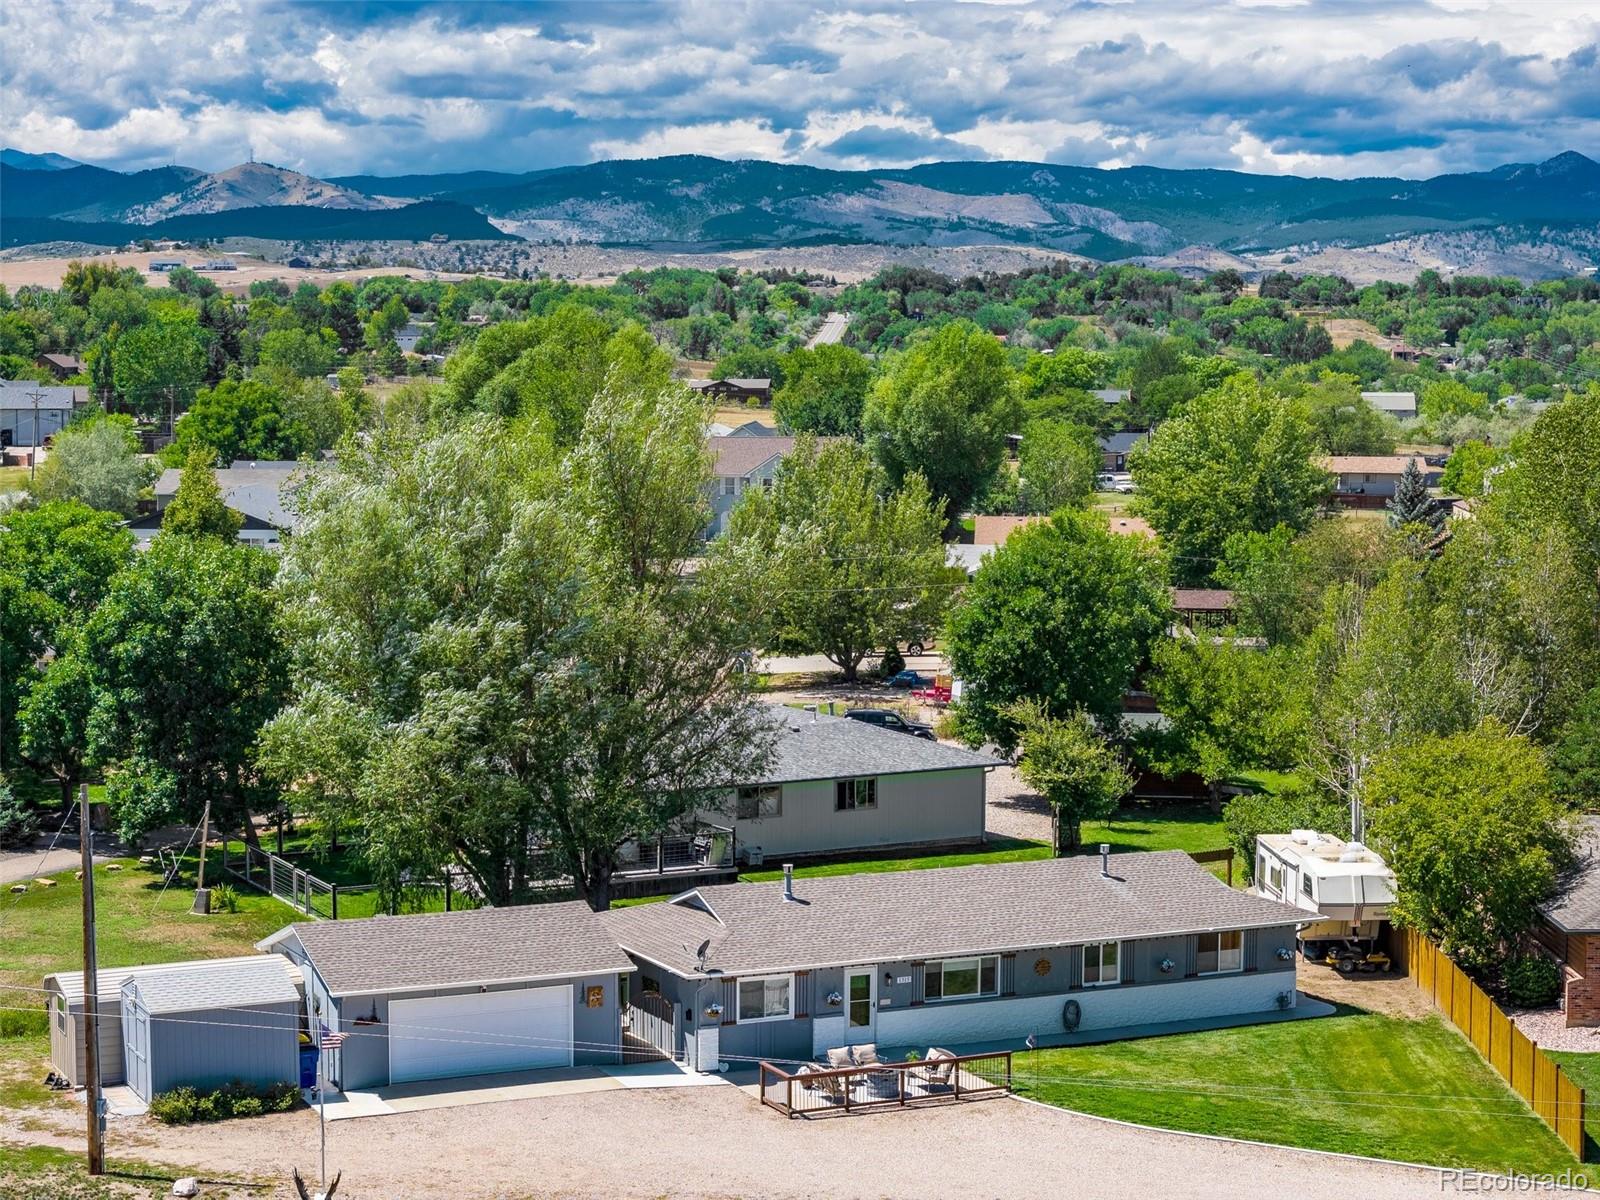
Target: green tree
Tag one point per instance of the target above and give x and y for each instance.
(1068, 763)
(751, 362)
(1449, 398)
(240, 420)
(158, 366)
(1475, 837)
(943, 409)
(1575, 754)
(197, 509)
(1058, 464)
(1236, 459)
(95, 461)
(187, 663)
(53, 721)
(1411, 504)
(1294, 806)
(1063, 613)
(298, 353)
(824, 391)
(1467, 469)
(855, 567)
(1343, 423)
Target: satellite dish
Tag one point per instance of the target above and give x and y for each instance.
(702, 951)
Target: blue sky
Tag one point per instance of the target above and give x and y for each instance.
(1308, 87)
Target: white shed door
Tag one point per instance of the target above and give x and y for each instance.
(441, 1037)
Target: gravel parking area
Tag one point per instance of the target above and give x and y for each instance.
(1014, 810)
(718, 1143)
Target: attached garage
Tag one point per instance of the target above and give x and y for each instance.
(437, 1037)
(447, 995)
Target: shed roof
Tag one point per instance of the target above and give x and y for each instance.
(1392, 401)
(1202, 599)
(1576, 907)
(1122, 441)
(111, 979)
(19, 393)
(940, 913)
(814, 746)
(237, 983)
(519, 944)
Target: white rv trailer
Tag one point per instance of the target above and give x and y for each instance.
(1344, 883)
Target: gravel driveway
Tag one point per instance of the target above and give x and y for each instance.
(717, 1143)
(1014, 809)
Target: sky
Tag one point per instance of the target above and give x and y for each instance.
(1337, 88)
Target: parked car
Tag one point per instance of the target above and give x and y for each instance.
(920, 645)
(908, 679)
(883, 718)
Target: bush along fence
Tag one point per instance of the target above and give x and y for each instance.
(1532, 1074)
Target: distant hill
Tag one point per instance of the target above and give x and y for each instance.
(694, 203)
(22, 160)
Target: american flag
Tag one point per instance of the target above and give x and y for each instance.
(331, 1040)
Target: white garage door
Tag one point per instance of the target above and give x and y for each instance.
(439, 1037)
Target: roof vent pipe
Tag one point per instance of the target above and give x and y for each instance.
(788, 881)
(812, 709)
(1105, 859)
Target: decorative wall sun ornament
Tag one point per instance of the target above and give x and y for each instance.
(1041, 967)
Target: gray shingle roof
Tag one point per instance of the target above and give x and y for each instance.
(738, 456)
(1122, 441)
(483, 945)
(111, 979)
(813, 746)
(256, 489)
(1576, 908)
(238, 983)
(940, 913)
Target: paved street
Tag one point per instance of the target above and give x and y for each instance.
(831, 330)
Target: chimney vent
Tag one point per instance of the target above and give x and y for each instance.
(788, 881)
(1105, 859)
(812, 709)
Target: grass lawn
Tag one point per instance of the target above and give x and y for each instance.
(13, 479)
(62, 1175)
(1584, 1070)
(1358, 1082)
(1191, 827)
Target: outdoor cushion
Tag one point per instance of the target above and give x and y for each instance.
(866, 1056)
(839, 1057)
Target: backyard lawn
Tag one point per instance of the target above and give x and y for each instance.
(1358, 1082)
(1584, 1070)
(1191, 827)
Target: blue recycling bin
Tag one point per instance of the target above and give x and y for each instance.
(308, 1066)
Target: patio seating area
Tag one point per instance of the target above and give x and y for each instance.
(854, 1079)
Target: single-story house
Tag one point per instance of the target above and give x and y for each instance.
(1131, 526)
(161, 265)
(1115, 447)
(239, 1020)
(836, 785)
(65, 999)
(958, 955)
(1202, 607)
(444, 995)
(746, 391)
(31, 413)
(62, 366)
(740, 463)
(1402, 406)
(1373, 477)
(412, 333)
(257, 491)
(969, 557)
(993, 531)
(1569, 928)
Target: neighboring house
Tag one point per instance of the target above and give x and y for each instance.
(234, 1022)
(258, 491)
(1367, 480)
(968, 557)
(753, 428)
(1110, 396)
(1199, 608)
(31, 413)
(65, 999)
(835, 785)
(741, 463)
(162, 265)
(410, 334)
(993, 531)
(445, 995)
(746, 391)
(1132, 527)
(958, 955)
(1569, 928)
(1402, 406)
(1115, 447)
(62, 366)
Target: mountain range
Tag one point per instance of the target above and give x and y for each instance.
(693, 202)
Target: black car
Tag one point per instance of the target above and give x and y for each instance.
(883, 718)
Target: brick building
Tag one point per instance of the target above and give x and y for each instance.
(1569, 928)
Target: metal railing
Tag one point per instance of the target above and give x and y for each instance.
(705, 847)
(815, 1091)
(315, 897)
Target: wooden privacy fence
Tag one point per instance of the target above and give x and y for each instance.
(1532, 1073)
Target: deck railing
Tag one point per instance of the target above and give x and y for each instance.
(817, 1091)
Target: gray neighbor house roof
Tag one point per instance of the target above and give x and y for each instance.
(521, 944)
(738, 456)
(229, 985)
(939, 913)
(813, 746)
(256, 489)
(1576, 908)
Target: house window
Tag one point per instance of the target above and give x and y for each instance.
(61, 1013)
(1220, 953)
(754, 803)
(728, 485)
(1102, 963)
(961, 978)
(854, 793)
(766, 998)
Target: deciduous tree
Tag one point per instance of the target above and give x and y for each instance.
(1070, 764)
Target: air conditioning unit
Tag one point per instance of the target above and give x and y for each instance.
(753, 857)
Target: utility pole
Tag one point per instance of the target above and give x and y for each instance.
(33, 459)
(91, 992)
(202, 896)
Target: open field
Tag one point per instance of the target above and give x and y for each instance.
(47, 272)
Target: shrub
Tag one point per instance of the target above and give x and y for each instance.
(19, 824)
(185, 1106)
(893, 663)
(224, 898)
(1294, 806)
(176, 1107)
(1533, 982)
(25, 1023)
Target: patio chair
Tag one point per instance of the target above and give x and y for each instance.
(937, 1069)
(829, 1087)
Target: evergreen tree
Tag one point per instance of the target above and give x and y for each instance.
(1411, 504)
(198, 510)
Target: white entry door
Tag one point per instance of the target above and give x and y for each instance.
(861, 1004)
(443, 1037)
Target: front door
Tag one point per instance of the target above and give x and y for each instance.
(860, 1004)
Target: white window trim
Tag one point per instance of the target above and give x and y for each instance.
(872, 998)
(980, 994)
(1101, 982)
(1221, 970)
(741, 1019)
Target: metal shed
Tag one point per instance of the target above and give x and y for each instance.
(66, 1003)
(239, 1021)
